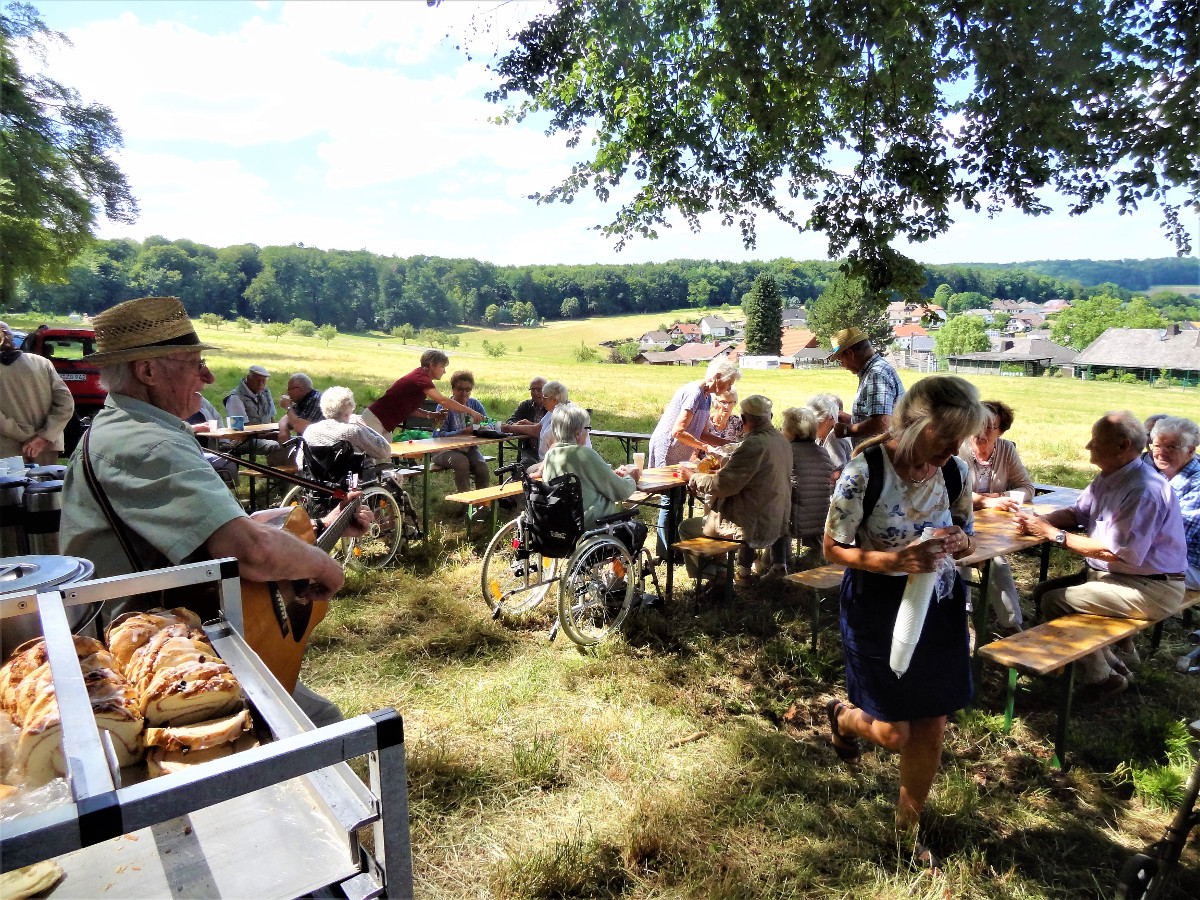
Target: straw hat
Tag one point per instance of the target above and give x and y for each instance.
(146, 328)
(845, 339)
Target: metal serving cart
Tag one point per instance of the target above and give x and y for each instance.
(277, 820)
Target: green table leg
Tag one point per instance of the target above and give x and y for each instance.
(1011, 703)
(425, 496)
(495, 515)
(816, 615)
(673, 503)
(729, 577)
(979, 617)
(1064, 719)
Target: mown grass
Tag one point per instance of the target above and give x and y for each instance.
(661, 765)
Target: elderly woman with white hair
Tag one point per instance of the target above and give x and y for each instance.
(1173, 441)
(603, 488)
(812, 471)
(722, 420)
(752, 494)
(684, 426)
(554, 394)
(827, 407)
(340, 424)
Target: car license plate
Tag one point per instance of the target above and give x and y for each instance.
(75, 377)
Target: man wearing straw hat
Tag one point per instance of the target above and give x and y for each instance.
(169, 504)
(879, 386)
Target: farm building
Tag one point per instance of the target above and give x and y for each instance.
(1031, 356)
(1146, 353)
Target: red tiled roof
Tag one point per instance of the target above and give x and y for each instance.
(910, 331)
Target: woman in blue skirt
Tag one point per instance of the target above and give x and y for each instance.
(898, 484)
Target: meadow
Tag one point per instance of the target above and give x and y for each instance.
(666, 764)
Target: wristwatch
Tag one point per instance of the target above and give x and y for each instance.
(1061, 539)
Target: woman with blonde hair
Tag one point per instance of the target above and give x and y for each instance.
(723, 421)
(896, 485)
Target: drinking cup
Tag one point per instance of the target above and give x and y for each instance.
(211, 423)
(237, 423)
(1017, 495)
(639, 461)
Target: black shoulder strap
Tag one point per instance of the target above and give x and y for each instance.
(874, 457)
(89, 475)
(953, 479)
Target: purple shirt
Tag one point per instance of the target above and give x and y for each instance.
(1134, 513)
(664, 449)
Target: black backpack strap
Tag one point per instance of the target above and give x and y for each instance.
(953, 479)
(874, 457)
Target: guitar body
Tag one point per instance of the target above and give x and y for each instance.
(277, 624)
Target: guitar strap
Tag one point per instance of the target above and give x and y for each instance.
(118, 527)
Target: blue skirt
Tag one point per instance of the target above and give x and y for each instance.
(938, 681)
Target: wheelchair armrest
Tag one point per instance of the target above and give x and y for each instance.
(623, 516)
(511, 469)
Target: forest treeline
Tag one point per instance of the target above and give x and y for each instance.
(357, 290)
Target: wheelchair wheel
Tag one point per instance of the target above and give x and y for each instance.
(378, 546)
(1138, 878)
(511, 582)
(596, 591)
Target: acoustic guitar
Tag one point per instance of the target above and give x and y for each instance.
(277, 622)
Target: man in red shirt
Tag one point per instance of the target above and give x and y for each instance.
(407, 394)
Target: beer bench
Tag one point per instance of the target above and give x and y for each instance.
(711, 548)
(1058, 644)
(488, 496)
(818, 581)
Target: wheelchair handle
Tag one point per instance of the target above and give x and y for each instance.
(511, 468)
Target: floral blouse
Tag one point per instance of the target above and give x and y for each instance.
(903, 510)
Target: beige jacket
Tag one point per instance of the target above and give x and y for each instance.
(753, 490)
(34, 402)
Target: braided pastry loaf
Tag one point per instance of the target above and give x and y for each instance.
(187, 694)
(27, 695)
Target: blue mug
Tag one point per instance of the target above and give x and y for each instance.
(237, 423)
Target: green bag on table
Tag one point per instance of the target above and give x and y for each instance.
(413, 434)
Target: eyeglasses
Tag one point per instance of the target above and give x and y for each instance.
(1168, 448)
(200, 364)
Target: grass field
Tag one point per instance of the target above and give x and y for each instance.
(661, 766)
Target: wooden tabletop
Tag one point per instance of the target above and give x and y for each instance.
(230, 434)
(659, 481)
(996, 530)
(414, 449)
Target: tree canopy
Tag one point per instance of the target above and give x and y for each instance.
(1082, 323)
(846, 302)
(962, 334)
(875, 118)
(56, 167)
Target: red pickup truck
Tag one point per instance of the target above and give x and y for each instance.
(66, 347)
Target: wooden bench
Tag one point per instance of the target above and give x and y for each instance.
(1058, 644)
(488, 496)
(268, 479)
(711, 548)
(819, 581)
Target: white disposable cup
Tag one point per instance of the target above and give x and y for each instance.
(639, 461)
(211, 423)
(1019, 496)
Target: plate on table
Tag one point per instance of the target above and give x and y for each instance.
(490, 433)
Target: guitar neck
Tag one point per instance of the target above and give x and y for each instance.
(337, 528)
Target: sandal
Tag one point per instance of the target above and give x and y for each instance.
(845, 747)
(924, 858)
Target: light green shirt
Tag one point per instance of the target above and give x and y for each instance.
(602, 487)
(159, 484)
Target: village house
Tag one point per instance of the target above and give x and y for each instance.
(904, 313)
(912, 338)
(1024, 322)
(1147, 353)
(794, 318)
(793, 341)
(714, 326)
(700, 354)
(988, 316)
(654, 340)
(657, 358)
(685, 331)
(1056, 305)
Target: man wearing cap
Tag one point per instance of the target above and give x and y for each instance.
(752, 494)
(168, 506)
(252, 400)
(879, 386)
(35, 405)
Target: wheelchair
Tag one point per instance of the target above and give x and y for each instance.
(1146, 875)
(599, 574)
(340, 466)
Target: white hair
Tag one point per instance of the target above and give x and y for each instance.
(800, 423)
(555, 390)
(337, 403)
(824, 405)
(303, 380)
(117, 377)
(1187, 430)
(567, 420)
(724, 368)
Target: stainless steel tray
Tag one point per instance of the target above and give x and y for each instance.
(277, 820)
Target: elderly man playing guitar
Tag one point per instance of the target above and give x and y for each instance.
(139, 493)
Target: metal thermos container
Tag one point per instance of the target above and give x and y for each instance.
(43, 510)
(46, 473)
(12, 515)
(22, 574)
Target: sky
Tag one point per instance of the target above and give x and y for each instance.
(364, 126)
